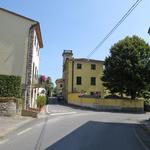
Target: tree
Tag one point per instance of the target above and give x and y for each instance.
(55, 91)
(49, 86)
(127, 69)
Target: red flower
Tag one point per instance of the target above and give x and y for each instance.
(43, 78)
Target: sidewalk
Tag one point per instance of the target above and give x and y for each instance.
(8, 124)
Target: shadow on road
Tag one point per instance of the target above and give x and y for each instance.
(101, 136)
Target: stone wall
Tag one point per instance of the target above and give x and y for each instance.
(8, 106)
(29, 113)
(29, 70)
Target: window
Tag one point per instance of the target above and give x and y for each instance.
(78, 80)
(38, 52)
(35, 75)
(35, 40)
(79, 66)
(37, 49)
(93, 81)
(33, 71)
(61, 85)
(91, 93)
(93, 67)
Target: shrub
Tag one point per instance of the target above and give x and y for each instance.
(112, 97)
(146, 96)
(10, 86)
(147, 105)
(41, 101)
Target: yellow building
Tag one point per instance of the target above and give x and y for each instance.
(82, 76)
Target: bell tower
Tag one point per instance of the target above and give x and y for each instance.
(67, 54)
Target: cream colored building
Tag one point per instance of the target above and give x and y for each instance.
(20, 41)
(59, 85)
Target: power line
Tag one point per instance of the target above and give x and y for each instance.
(115, 27)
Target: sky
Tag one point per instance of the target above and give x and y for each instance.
(80, 25)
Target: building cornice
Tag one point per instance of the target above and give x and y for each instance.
(88, 60)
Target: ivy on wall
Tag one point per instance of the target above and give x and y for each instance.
(10, 86)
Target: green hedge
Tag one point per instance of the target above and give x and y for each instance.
(10, 86)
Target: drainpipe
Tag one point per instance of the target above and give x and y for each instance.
(72, 75)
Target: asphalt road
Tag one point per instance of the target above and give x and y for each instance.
(67, 128)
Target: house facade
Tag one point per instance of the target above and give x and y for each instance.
(20, 43)
(82, 76)
(59, 85)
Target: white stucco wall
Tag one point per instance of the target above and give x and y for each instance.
(36, 53)
(35, 60)
(14, 33)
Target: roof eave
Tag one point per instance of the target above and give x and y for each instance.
(38, 32)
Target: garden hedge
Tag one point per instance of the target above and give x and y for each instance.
(10, 86)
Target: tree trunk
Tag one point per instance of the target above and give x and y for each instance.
(133, 94)
(121, 94)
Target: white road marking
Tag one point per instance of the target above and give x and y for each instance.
(47, 111)
(59, 113)
(4, 141)
(65, 113)
(24, 131)
(139, 139)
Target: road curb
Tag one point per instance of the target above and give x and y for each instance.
(43, 113)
